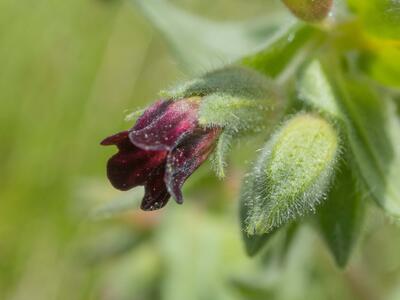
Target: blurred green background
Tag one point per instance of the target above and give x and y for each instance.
(70, 72)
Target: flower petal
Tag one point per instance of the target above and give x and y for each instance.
(163, 133)
(152, 113)
(131, 166)
(192, 150)
(118, 139)
(156, 194)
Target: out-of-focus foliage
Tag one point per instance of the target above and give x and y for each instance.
(70, 70)
(383, 64)
(380, 17)
(201, 43)
(309, 10)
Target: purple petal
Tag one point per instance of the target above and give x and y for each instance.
(165, 130)
(192, 150)
(152, 113)
(131, 166)
(120, 139)
(156, 194)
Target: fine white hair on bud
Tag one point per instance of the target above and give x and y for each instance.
(292, 174)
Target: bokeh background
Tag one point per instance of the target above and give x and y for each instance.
(69, 73)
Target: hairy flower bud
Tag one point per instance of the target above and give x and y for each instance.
(173, 137)
(164, 147)
(292, 175)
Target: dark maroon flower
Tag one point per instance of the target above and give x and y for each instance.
(161, 151)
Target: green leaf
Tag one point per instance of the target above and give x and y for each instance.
(374, 132)
(315, 89)
(383, 65)
(371, 126)
(286, 52)
(292, 174)
(340, 217)
(380, 17)
(201, 44)
(290, 235)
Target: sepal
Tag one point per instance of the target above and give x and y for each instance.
(235, 98)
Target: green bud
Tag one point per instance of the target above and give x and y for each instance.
(309, 10)
(292, 174)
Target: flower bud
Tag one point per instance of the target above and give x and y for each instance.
(175, 135)
(292, 175)
(309, 10)
(161, 151)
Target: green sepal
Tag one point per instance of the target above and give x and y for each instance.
(236, 115)
(218, 157)
(235, 98)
